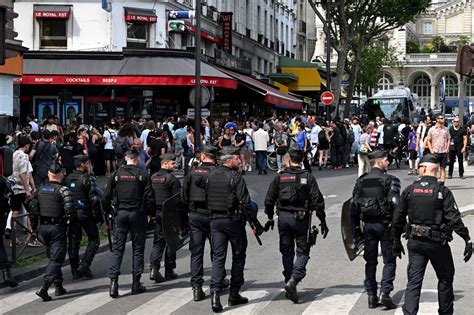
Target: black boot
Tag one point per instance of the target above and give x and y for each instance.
(156, 276)
(170, 274)
(373, 301)
(290, 288)
(216, 302)
(59, 289)
(113, 291)
(137, 287)
(8, 278)
(235, 299)
(198, 294)
(43, 293)
(386, 301)
(85, 271)
(76, 274)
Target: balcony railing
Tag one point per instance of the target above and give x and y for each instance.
(431, 58)
(230, 61)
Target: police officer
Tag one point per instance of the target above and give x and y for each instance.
(5, 264)
(54, 205)
(432, 217)
(296, 194)
(84, 190)
(375, 197)
(165, 185)
(227, 196)
(130, 193)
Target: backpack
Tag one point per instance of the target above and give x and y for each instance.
(120, 147)
(350, 135)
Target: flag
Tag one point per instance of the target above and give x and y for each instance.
(107, 6)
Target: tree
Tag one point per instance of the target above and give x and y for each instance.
(463, 40)
(412, 46)
(355, 23)
(437, 42)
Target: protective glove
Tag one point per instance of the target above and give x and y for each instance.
(268, 225)
(468, 251)
(324, 229)
(397, 249)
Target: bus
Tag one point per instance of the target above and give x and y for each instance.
(390, 104)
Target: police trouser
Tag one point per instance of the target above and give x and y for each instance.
(373, 234)
(223, 231)
(54, 238)
(419, 253)
(293, 231)
(160, 247)
(75, 236)
(135, 222)
(200, 228)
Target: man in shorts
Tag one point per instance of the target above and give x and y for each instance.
(438, 141)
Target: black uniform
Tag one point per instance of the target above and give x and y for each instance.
(432, 216)
(55, 208)
(295, 193)
(5, 264)
(165, 185)
(84, 189)
(375, 197)
(130, 191)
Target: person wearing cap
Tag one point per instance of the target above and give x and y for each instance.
(53, 208)
(130, 194)
(432, 217)
(87, 200)
(375, 197)
(227, 195)
(165, 185)
(296, 195)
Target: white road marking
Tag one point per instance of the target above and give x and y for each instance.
(337, 301)
(85, 304)
(428, 303)
(16, 300)
(165, 303)
(258, 300)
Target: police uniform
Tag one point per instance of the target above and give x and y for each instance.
(165, 185)
(55, 208)
(84, 190)
(295, 193)
(226, 194)
(432, 217)
(130, 192)
(194, 194)
(5, 264)
(375, 197)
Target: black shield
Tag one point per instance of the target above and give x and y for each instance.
(175, 222)
(352, 245)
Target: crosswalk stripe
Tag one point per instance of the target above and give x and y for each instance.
(428, 303)
(84, 304)
(337, 301)
(258, 300)
(16, 300)
(165, 303)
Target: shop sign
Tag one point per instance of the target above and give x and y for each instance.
(140, 18)
(226, 18)
(52, 15)
(205, 35)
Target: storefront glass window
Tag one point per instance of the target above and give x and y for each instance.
(53, 33)
(137, 35)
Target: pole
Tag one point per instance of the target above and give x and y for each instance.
(197, 85)
(328, 56)
(461, 99)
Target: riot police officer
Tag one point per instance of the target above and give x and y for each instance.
(130, 193)
(227, 196)
(296, 194)
(84, 190)
(375, 197)
(54, 207)
(432, 217)
(165, 185)
(5, 264)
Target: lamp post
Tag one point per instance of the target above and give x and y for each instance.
(328, 55)
(197, 84)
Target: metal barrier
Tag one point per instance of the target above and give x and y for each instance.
(16, 221)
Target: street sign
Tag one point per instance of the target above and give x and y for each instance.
(205, 96)
(204, 112)
(442, 89)
(345, 82)
(327, 98)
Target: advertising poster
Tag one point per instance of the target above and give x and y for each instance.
(45, 108)
(69, 112)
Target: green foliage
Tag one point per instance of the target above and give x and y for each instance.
(463, 40)
(23, 262)
(428, 48)
(102, 236)
(412, 47)
(437, 42)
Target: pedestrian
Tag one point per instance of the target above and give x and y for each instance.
(432, 217)
(69, 149)
(296, 195)
(375, 197)
(239, 142)
(363, 152)
(225, 140)
(337, 144)
(53, 209)
(249, 145)
(438, 141)
(150, 126)
(156, 148)
(44, 153)
(88, 212)
(280, 139)
(227, 196)
(130, 192)
(179, 136)
(109, 138)
(165, 185)
(421, 133)
(323, 146)
(261, 139)
(5, 264)
(457, 147)
(412, 155)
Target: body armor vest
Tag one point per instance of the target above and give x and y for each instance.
(425, 204)
(293, 193)
(219, 191)
(372, 201)
(161, 189)
(197, 190)
(129, 187)
(50, 202)
(75, 182)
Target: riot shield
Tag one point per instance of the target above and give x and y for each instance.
(175, 222)
(352, 245)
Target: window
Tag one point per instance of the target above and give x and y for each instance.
(386, 82)
(422, 87)
(428, 27)
(137, 35)
(470, 87)
(451, 86)
(53, 33)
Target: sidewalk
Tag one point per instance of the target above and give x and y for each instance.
(461, 188)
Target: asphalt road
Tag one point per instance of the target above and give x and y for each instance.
(333, 284)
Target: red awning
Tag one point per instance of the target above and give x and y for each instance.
(205, 35)
(271, 95)
(140, 15)
(52, 11)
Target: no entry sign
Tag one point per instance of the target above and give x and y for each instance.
(327, 98)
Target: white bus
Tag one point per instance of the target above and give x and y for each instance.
(390, 104)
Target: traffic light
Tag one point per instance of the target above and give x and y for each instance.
(6, 30)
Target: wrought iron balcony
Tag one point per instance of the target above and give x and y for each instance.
(431, 59)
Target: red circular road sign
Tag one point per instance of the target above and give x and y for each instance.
(327, 98)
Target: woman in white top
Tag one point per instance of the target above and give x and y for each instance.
(364, 149)
(248, 131)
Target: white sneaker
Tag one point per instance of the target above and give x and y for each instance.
(249, 169)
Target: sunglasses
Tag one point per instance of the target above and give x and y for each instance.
(456, 120)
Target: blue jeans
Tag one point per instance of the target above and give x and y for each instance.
(279, 161)
(261, 160)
